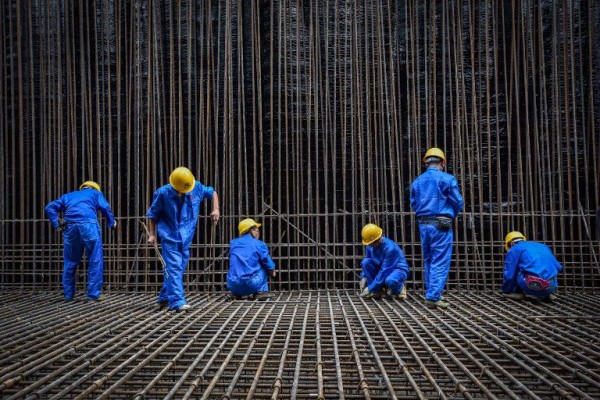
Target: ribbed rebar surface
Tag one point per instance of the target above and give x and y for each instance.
(327, 344)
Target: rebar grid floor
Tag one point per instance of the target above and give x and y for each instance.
(326, 344)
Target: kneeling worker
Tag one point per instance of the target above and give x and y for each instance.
(250, 264)
(384, 265)
(530, 268)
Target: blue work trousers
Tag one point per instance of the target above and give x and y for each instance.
(176, 257)
(77, 237)
(259, 282)
(392, 278)
(437, 255)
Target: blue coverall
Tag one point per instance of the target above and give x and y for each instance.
(82, 230)
(177, 218)
(385, 265)
(249, 266)
(530, 259)
(435, 193)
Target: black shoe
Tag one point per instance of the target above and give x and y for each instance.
(163, 304)
(263, 296)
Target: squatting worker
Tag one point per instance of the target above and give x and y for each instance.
(250, 264)
(175, 208)
(384, 266)
(530, 268)
(82, 231)
(436, 201)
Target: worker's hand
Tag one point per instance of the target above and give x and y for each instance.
(366, 294)
(214, 215)
(114, 225)
(363, 284)
(273, 274)
(152, 239)
(61, 225)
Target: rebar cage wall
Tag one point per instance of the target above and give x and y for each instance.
(309, 116)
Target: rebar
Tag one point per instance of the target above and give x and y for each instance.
(330, 344)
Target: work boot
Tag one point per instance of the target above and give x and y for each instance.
(183, 308)
(377, 296)
(514, 296)
(102, 297)
(263, 296)
(437, 304)
(549, 299)
(362, 284)
(231, 297)
(402, 294)
(163, 304)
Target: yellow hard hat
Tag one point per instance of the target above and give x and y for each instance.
(512, 236)
(434, 152)
(182, 179)
(246, 224)
(90, 184)
(371, 233)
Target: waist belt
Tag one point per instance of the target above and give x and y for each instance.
(426, 220)
(536, 283)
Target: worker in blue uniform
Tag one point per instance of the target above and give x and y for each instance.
(530, 269)
(436, 201)
(81, 231)
(384, 266)
(250, 264)
(174, 210)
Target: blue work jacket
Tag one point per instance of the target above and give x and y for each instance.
(177, 216)
(435, 193)
(529, 258)
(387, 256)
(80, 206)
(247, 256)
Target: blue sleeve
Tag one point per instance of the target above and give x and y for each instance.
(104, 208)
(456, 200)
(558, 265)
(155, 207)
(390, 261)
(413, 197)
(264, 258)
(206, 191)
(510, 272)
(369, 252)
(53, 209)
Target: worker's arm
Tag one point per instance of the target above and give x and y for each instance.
(510, 272)
(104, 208)
(151, 231)
(389, 261)
(456, 199)
(265, 260)
(214, 215)
(53, 209)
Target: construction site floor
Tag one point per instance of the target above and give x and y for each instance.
(313, 344)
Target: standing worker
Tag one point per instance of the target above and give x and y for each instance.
(384, 265)
(436, 201)
(530, 268)
(250, 264)
(81, 230)
(175, 208)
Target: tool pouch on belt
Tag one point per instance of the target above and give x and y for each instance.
(535, 283)
(443, 223)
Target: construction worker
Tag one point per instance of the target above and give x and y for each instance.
(530, 269)
(250, 264)
(81, 231)
(175, 208)
(436, 201)
(384, 265)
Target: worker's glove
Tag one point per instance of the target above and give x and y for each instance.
(363, 284)
(366, 294)
(273, 274)
(114, 226)
(61, 225)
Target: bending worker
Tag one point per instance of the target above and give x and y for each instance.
(384, 265)
(82, 231)
(530, 268)
(250, 264)
(436, 201)
(175, 208)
